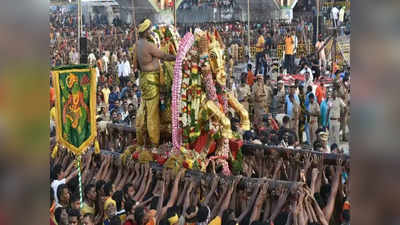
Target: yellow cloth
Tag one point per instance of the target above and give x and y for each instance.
(260, 42)
(106, 94)
(87, 209)
(143, 26)
(216, 221)
(109, 202)
(53, 113)
(123, 218)
(173, 220)
(149, 83)
(148, 115)
(289, 45)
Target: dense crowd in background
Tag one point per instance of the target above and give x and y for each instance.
(187, 4)
(236, 32)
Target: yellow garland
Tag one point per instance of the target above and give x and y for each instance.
(55, 150)
(96, 147)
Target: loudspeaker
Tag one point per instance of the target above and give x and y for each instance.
(83, 50)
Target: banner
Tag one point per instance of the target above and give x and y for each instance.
(75, 89)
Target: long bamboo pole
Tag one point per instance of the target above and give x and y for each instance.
(79, 27)
(317, 21)
(175, 13)
(248, 27)
(134, 20)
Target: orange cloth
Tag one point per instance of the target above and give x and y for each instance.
(151, 221)
(346, 205)
(320, 93)
(289, 45)
(250, 78)
(100, 64)
(260, 44)
(52, 95)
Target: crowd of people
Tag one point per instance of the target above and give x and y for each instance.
(187, 4)
(236, 32)
(117, 192)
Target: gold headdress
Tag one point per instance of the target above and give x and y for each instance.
(144, 26)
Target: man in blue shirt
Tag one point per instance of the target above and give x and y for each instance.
(324, 113)
(125, 89)
(289, 105)
(114, 96)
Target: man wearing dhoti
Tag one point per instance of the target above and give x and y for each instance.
(148, 115)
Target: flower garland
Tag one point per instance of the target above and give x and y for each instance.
(184, 46)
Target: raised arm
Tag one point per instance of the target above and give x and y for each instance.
(255, 215)
(148, 183)
(250, 205)
(217, 206)
(154, 51)
(328, 210)
(118, 177)
(187, 196)
(319, 213)
(227, 200)
(123, 179)
(277, 168)
(212, 190)
(283, 193)
(183, 193)
(314, 176)
(142, 183)
(161, 198)
(267, 209)
(174, 193)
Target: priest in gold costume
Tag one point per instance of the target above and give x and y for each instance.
(148, 59)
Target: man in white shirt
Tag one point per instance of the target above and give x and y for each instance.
(335, 15)
(105, 62)
(92, 58)
(59, 178)
(308, 70)
(341, 15)
(124, 70)
(322, 57)
(73, 57)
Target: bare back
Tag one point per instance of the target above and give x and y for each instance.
(148, 59)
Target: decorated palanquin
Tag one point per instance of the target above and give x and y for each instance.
(198, 103)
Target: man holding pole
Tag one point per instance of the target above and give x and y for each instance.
(148, 57)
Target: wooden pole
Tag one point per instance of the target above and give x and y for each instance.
(317, 21)
(175, 13)
(134, 20)
(248, 27)
(79, 27)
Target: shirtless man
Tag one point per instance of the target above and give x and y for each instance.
(148, 115)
